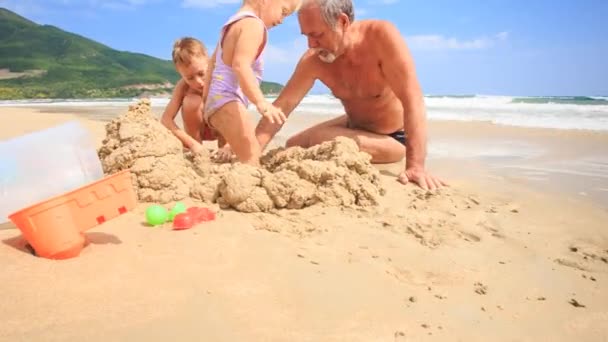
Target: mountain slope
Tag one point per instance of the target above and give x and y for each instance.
(43, 61)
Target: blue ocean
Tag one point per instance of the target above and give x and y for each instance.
(558, 112)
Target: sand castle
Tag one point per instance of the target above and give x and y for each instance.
(334, 173)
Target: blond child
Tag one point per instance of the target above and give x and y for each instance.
(236, 72)
(191, 62)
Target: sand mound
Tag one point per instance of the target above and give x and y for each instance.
(334, 173)
(138, 142)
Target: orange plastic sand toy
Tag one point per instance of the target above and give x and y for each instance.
(54, 228)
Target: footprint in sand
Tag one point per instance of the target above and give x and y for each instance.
(418, 278)
(584, 256)
(480, 288)
(424, 233)
(468, 236)
(495, 232)
(400, 336)
(571, 264)
(290, 225)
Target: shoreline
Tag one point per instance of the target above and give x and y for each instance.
(108, 112)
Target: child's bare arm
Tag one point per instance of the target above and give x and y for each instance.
(247, 45)
(248, 41)
(209, 76)
(168, 117)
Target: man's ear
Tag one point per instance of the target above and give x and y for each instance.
(344, 21)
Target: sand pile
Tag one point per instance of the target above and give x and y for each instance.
(335, 173)
(138, 142)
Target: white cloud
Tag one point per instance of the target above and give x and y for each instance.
(207, 3)
(280, 59)
(502, 35)
(382, 2)
(113, 2)
(119, 4)
(275, 54)
(439, 42)
(285, 54)
(360, 12)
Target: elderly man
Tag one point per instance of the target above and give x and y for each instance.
(368, 67)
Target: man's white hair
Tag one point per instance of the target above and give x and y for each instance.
(331, 9)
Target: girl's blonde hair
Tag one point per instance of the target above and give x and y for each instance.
(298, 4)
(184, 49)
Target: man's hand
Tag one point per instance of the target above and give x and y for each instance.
(419, 176)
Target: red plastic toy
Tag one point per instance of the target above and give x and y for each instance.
(192, 217)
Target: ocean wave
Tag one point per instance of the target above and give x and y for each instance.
(559, 112)
(451, 96)
(501, 110)
(576, 100)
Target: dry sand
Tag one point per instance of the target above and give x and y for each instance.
(486, 259)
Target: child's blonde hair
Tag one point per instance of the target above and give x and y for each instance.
(184, 49)
(298, 4)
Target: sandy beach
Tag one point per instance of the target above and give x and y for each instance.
(515, 250)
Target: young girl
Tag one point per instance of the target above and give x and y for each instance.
(237, 67)
(191, 62)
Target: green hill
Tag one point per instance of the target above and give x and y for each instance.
(271, 87)
(43, 61)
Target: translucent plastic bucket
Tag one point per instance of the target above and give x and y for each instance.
(45, 163)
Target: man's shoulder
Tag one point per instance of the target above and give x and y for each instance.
(376, 26)
(309, 60)
(378, 33)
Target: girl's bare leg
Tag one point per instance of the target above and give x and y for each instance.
(233, 123)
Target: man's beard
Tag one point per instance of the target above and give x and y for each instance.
(325, 55)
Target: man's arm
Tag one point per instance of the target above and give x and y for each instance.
(398, 68)
(294, 91)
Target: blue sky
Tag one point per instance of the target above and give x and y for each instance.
(498, 47)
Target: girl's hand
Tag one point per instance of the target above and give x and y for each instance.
(271, 113)
(197, 148)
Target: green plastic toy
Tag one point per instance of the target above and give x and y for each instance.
(177, 209)
(156, 215)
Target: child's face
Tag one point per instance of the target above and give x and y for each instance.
(194, 74)
(276, 10)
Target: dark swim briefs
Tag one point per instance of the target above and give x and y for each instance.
(400, 135)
